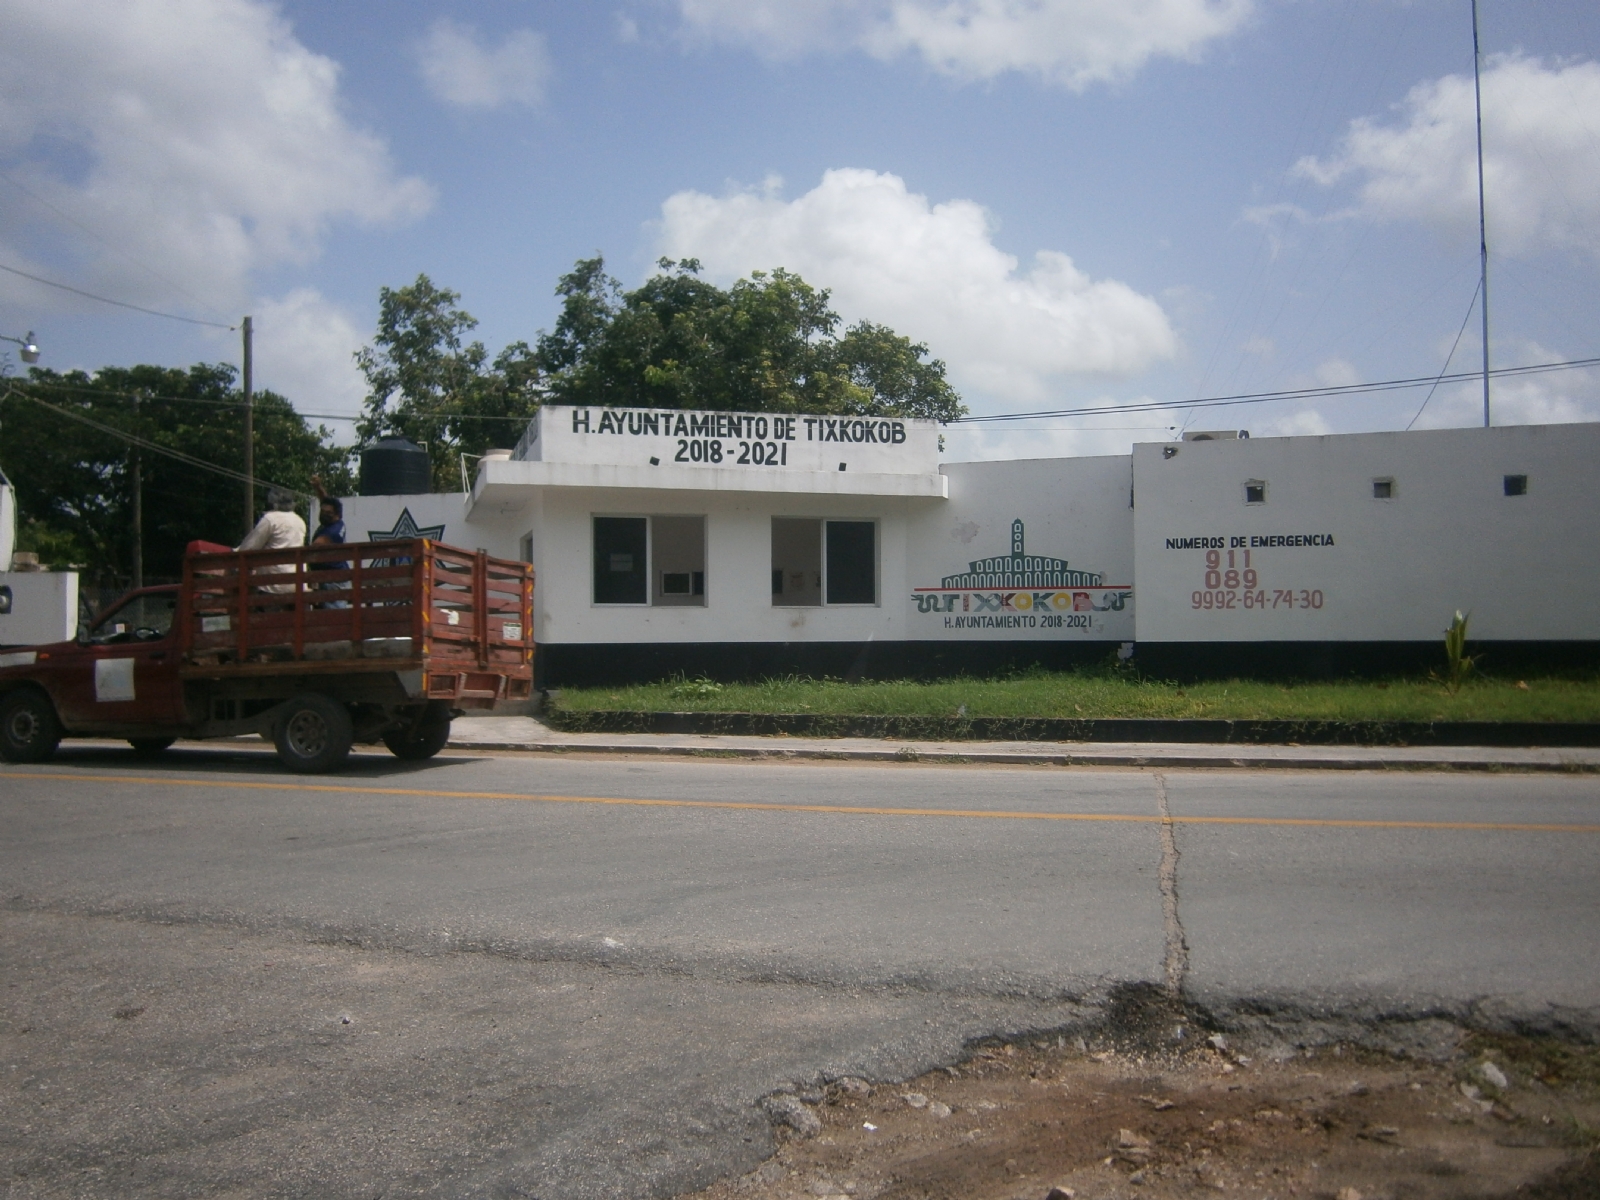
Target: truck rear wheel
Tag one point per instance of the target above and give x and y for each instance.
(29, 728)
(423, 738)
(313, 734)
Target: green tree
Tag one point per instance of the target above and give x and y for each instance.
(63, 445)
(770, 343)
(427, 383)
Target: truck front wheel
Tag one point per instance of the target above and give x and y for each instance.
(29, 728)
(423, 737)
(313, 734)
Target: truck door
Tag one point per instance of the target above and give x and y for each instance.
(127, 672)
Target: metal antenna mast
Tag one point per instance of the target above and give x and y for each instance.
(1483, 230)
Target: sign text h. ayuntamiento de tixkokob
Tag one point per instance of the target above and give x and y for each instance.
(681, 437)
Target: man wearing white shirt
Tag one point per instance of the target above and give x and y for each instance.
(280, 528)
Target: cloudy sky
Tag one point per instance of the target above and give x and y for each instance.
(1072, 202)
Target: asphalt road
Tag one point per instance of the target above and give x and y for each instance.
(542, 976)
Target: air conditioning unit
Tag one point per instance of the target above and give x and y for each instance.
(1216, 435)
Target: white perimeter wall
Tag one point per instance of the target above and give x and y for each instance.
(1075, 509)
(44, 607)
(1526, 567)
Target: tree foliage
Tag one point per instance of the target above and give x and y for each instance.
(769, 343)
(74, 481)
(427, 383)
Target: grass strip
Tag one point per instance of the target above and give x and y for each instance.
(1072, 694)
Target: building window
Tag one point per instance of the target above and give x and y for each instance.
(851, 575)
(650, 560)
(816, 561)
(621, 560)
(796, 561)
(1383, 489)
(678, 561)
(1516, 485)
(1255, 491)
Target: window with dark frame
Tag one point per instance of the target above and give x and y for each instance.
(657, 561)
(1516, 485)
(1255, 492)
(1383, 489)
(817, 561)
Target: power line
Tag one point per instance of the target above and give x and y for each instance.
(146, 395)
(120, 253)
(153, 447)
(119, 303)
(1449, 356)
(1335, 392)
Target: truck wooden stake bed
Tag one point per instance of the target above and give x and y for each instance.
(316, 647)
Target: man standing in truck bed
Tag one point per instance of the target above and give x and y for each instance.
(330, 532)
(280, 528)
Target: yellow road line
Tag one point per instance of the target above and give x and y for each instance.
(865, 810)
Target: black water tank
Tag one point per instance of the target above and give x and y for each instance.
(395, 467)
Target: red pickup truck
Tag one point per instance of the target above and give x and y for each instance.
(316, 647)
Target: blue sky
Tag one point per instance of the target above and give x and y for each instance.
(1073, 202)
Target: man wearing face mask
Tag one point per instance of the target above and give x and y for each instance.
(329, 532)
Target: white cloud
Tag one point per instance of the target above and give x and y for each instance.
(932, 273)
(1074, 43)
(1005, 440)
(1541, 157)
(1336, 372)
(1305, 422)
(304, 345)
(198, 139)
(458, 69)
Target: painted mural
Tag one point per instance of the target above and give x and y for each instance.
(1025, 594)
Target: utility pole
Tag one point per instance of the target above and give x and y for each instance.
(1483, 228)
(138, 501)
(249, 429)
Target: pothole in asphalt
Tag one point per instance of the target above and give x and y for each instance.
(1128, 1117)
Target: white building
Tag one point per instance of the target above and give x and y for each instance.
(751, 544)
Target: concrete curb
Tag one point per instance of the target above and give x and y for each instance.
(1165, 757)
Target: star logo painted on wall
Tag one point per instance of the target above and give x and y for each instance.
(406, 528)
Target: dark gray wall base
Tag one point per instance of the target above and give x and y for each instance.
(1055, 729)
(610, 664)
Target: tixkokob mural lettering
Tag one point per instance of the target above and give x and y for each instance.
(1028, 593)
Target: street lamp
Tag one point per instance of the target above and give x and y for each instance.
(30, 351)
